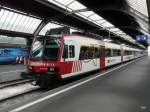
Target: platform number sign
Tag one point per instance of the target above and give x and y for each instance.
(141, 38)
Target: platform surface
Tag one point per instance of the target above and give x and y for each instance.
(124, 90)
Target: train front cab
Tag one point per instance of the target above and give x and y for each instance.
(53, 58)
(44, 60)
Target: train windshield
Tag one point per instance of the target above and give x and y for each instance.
(45, 49)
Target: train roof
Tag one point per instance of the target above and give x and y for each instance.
(88, 41)
(130, 48)
(83, 40)
(112, 45)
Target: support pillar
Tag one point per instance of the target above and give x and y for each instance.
(29, 43)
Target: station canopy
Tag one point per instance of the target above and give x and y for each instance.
(73, 6)
(139, 5)
(54, 25)
(19, 21)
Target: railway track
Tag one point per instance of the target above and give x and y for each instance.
(14, 89)
(13, 83)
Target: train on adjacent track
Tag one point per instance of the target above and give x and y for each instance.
(13, 54)
(55, 57)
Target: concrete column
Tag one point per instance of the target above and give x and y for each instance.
(40, 27)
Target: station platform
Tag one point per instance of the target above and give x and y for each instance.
(125, 89)
(10, 72)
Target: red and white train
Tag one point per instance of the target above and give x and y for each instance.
(57, 57)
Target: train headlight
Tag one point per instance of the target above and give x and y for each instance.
(30, 67)
(51, 69)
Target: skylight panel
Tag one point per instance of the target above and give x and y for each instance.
(33, 25)
(95, 17)
(1, 13)
(25, 24)
(57, 3)
(82, 16)
(48, 27)
(139, 5)
(121, 34)
(8, 19)
(107, 24)
(22, 23)
(115, 29)
(28, 25)
(3, 18)
(11, 23)
(65, 2)
(87, 13)
(76, 6)
(101, 21)
(17, 22)
(36, 24)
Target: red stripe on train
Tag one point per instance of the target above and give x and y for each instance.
(65, 68)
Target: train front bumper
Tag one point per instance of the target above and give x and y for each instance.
(36, 75)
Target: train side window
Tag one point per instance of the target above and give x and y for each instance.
(116, 52)
(65, 52)
(113, 53)
(97, 53)
(127, 53)
(108, 53)
(91, 52)
(71, 51)
(83, 53)
(119, 52)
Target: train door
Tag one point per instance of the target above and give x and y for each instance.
(69, 52)
(102, 57)
(68, 58)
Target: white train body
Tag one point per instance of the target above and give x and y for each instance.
(75, 54)
(81, 65)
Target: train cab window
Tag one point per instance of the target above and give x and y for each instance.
(71, 51)
(51, 49)
(37, 49)
(65, 51)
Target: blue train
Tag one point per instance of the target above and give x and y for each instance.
(13, 55)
